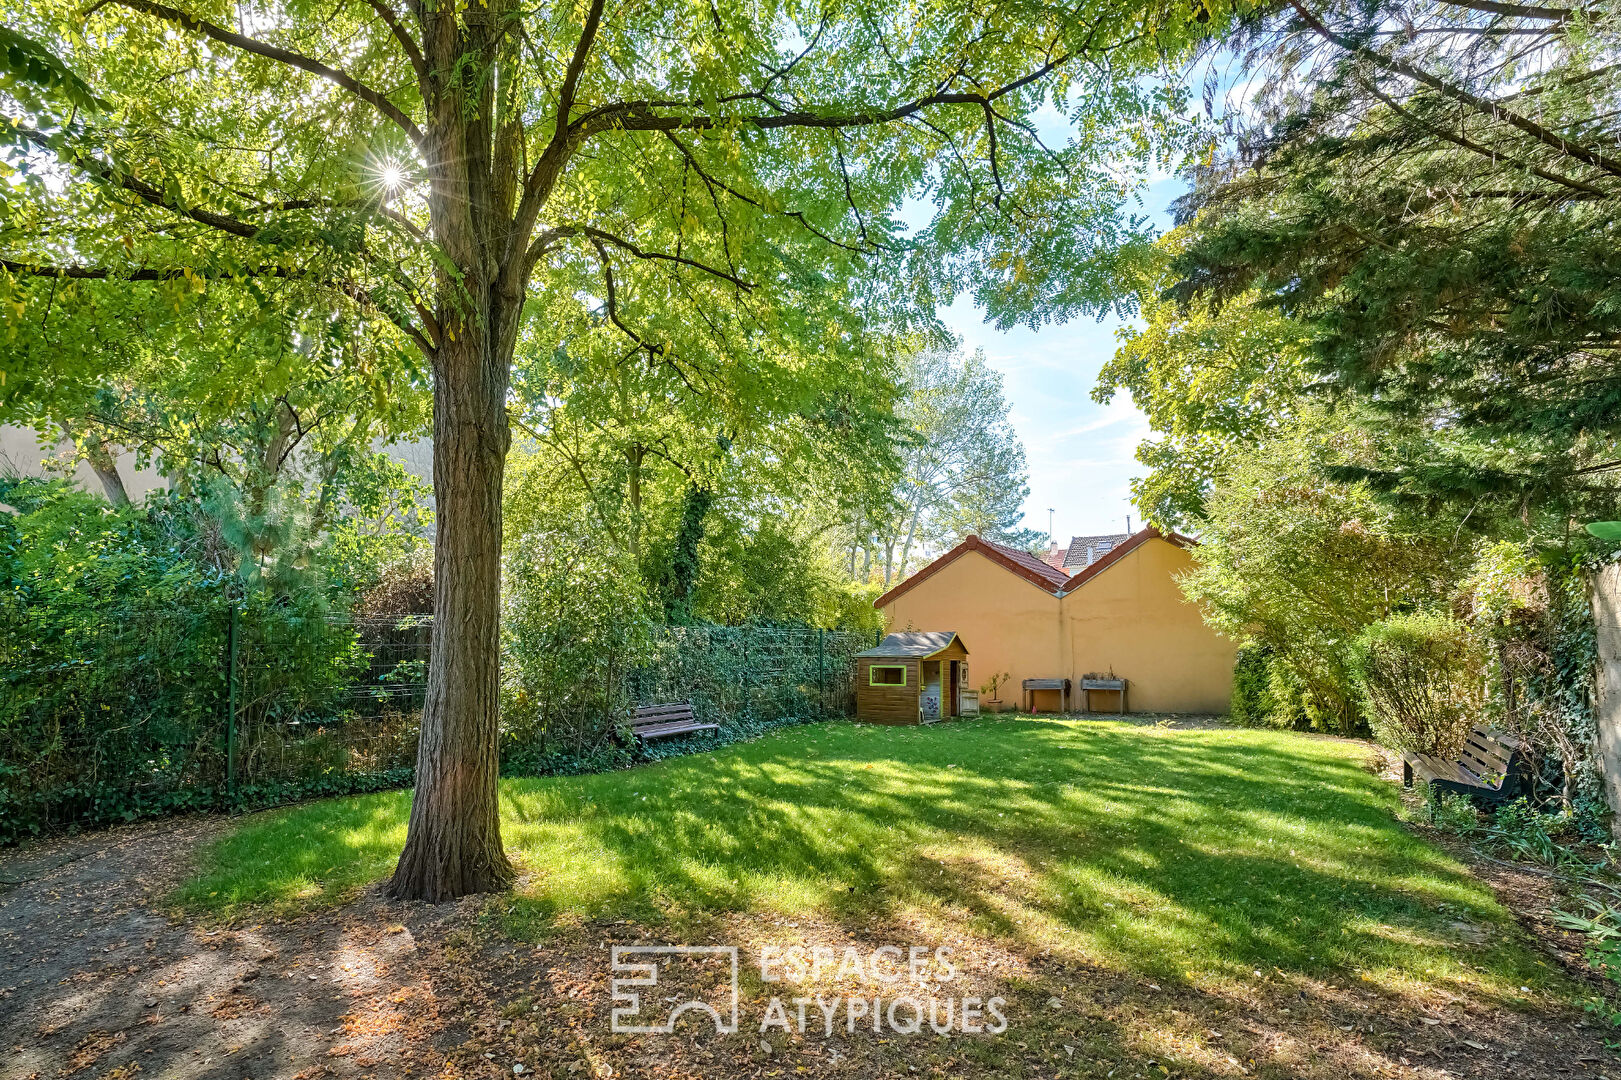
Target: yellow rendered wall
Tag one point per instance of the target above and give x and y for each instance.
(1006, 623)
(1133, 618)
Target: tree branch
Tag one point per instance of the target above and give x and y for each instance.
(413, 52)
(576, 66)
(285, 56)
(140, 188)
(1481, 105)
(1473, 147)
(537, 186)
(357, 293)
(1515, 11)
(141, 273)
(639, 115)
(606, 237)
(598, 237)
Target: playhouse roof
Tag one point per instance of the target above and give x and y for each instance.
(915, 644)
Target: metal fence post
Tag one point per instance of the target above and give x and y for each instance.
(230, 716)
(821, 670)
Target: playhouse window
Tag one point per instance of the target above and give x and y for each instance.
(887, 675)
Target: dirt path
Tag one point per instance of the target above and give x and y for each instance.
(94, 978)
(97, 981)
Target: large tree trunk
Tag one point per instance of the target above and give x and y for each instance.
(105, 466)
(453, 847)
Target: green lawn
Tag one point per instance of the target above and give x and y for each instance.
(1190, 856)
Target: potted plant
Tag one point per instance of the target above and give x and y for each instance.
(990, 702)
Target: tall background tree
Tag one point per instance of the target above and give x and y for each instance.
(961, 470)
(719, 501)
(1429, 187)
(1379, 357)
(1213, 382)
(704, 183)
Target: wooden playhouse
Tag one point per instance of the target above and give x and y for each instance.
(917, 677)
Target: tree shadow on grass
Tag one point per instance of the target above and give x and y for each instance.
(1175, 854)
(1076, 863)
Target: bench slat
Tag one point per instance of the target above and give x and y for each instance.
(1434, 768)
(672, 724)
(677, 729)
(664, 720)
(660, 710)
(1486, 754)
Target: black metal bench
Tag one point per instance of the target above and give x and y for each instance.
(1491, 768)
(651, 722)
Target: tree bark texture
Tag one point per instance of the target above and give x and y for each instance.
(105, 466)
(453, 846)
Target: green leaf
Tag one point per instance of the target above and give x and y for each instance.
(27, 66)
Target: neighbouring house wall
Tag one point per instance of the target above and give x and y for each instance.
(1607, 708)
(1007, 623)
(22, 455)
(1133, 619)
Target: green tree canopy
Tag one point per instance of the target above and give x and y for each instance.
(1299, 567)
(1429, 187)
(695, 183)
(1212, 383)
(260, 398)
(961, 469)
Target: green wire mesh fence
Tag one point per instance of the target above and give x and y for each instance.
(109, 716)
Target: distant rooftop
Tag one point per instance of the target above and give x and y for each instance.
(1050, 572)
(1083, 551)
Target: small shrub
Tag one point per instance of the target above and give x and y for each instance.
(994, 684)
(1267, 692)
(1420, 676)
(402, 588)
(1252, 699)
(1451, 811)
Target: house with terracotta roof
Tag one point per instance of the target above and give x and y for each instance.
(1109, 607)
(1083, 551)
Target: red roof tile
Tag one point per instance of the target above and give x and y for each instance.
(1051, 573)
(1031, 568)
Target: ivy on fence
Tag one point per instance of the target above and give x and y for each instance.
(109, 716)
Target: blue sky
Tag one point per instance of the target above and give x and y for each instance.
(1079, 452)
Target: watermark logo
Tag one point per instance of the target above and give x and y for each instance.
(714, 967)
(913, 991)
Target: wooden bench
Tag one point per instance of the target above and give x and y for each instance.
(650, 722)
(1492, 768)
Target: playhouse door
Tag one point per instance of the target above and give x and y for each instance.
(928, 702)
